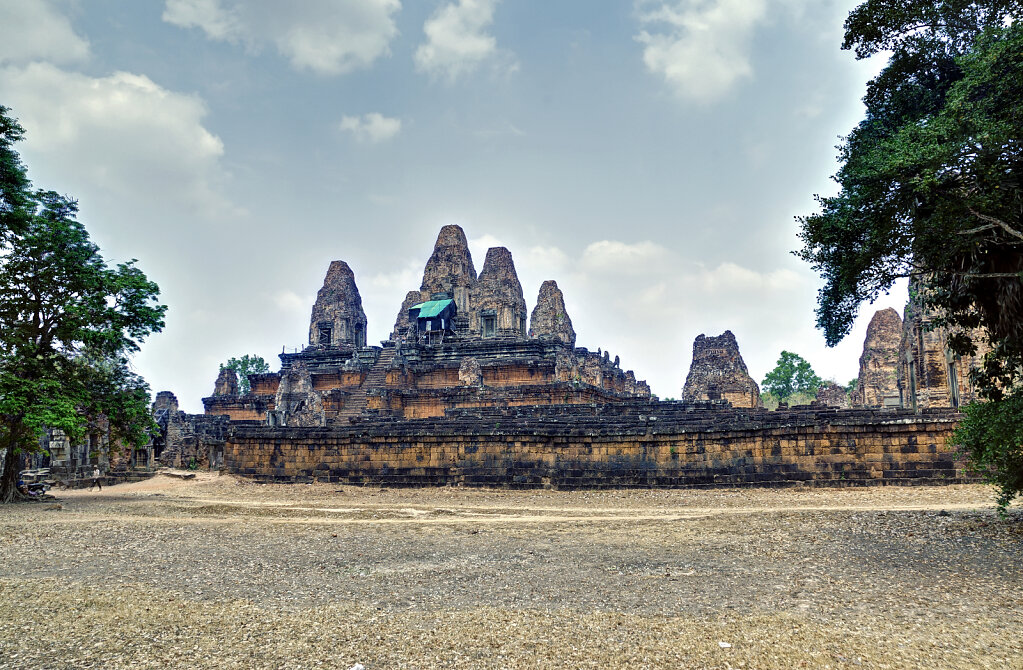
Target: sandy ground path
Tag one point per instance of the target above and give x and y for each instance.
(220, 572)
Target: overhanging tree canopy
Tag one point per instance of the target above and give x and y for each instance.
(932, 183)
(931, 177)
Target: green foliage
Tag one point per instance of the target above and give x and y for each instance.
(771, 401)
(992, 434)
(15, 188)
(932, 173)
(931, 188)
(853, 384)
(245, 366)
(68, 323)
(792, 375)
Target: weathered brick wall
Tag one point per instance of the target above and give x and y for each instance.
(337, 380)
(249, 407)
(643, 444)
(433, 403)
(517, 375)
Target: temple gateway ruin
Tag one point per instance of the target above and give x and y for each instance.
(473, 388)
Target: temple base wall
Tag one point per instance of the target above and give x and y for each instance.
(645, 445)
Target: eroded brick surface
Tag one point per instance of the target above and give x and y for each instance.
(928, 374)
(878, 377)
(719, 373)
(550, 319)
(640, 444)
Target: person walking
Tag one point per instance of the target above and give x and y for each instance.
(95, 478)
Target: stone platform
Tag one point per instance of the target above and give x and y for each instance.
(638, 444)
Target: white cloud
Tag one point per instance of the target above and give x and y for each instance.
(373, 127)
(552, 260)
(217, 22)
(292, 303)
(478, 247)
(700, 47)
(325, 36)
(456, 39)
(406, 277)
(506, 129)
(122, 134)
(729, 277)
(31, 30)
(613, 257)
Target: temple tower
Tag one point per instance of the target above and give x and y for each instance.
(449, 271)
(877, 384)
(549, 320)
(498, 308)
(719, 373)
(338, 319)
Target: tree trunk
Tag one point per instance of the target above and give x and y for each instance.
(12, 465)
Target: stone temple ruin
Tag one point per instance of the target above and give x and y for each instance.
(472, 388)
(468, 390)
(459, 341)
(929, 375)
(719, 373)
(905, 364)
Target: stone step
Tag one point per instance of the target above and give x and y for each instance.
(375, 378)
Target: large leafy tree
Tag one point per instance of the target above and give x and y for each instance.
(931, 187)
(792, 376)
(245, 366)
(68, 323)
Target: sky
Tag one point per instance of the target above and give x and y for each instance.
(649, 156)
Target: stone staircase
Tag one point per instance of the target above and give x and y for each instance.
(376, 378)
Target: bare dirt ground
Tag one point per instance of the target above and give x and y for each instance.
(219, 572)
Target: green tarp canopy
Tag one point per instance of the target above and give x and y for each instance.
(431, 308)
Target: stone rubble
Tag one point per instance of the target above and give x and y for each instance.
(831, 394)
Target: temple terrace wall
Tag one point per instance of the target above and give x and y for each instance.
(643, 444)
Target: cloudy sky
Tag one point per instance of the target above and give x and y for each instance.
(650, 156)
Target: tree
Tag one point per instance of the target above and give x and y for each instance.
(791, 376)
(852, 386)
(931, 188)
(992, 434)
(15, 188)
(245, 366)
(68, 325)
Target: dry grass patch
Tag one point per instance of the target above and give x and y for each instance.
(137, 627)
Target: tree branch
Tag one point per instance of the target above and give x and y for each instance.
(924, 270)
(996, 222)
(978, 229)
